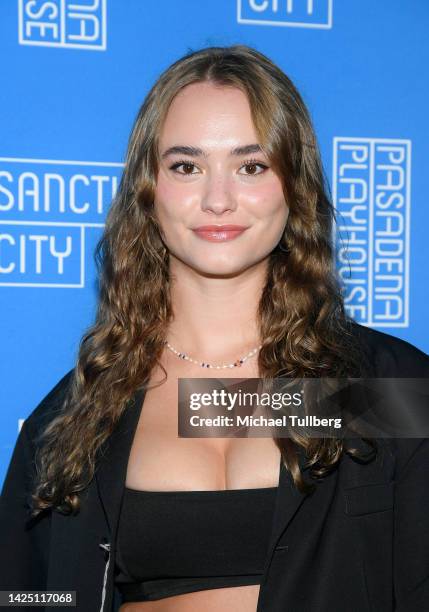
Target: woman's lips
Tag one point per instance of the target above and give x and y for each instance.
(218, 235)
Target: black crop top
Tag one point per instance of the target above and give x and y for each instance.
(173, 542)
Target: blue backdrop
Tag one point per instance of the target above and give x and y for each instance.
(74, 75)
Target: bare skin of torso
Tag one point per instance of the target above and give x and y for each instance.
(160, 461)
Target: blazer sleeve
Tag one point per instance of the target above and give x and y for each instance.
(25, 540)
(411, 528)
(24, 543)
(398, 358)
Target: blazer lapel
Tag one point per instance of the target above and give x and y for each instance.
(112, 469)
(289, 499)
(288, 502)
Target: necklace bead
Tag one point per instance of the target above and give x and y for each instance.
(237, 364)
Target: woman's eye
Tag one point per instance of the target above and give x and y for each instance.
(252, 168)
(187, 167)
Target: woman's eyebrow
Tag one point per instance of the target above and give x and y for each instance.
(197, 152)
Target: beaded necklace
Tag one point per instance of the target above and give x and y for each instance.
(204, 364)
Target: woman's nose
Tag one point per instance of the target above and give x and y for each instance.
(218, 195)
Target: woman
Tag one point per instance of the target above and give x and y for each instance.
(216, 252)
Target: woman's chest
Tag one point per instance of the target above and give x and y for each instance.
(161, 461)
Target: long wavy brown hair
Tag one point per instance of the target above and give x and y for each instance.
(301, 312)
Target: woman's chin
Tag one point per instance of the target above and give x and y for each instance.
(224, 269)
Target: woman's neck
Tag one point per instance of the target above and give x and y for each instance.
(215, 318)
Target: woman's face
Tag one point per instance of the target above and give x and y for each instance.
(205, 179)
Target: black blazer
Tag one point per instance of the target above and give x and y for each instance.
(359, 543)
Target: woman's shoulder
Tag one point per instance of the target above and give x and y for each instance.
(391, 356)
(50, 405)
